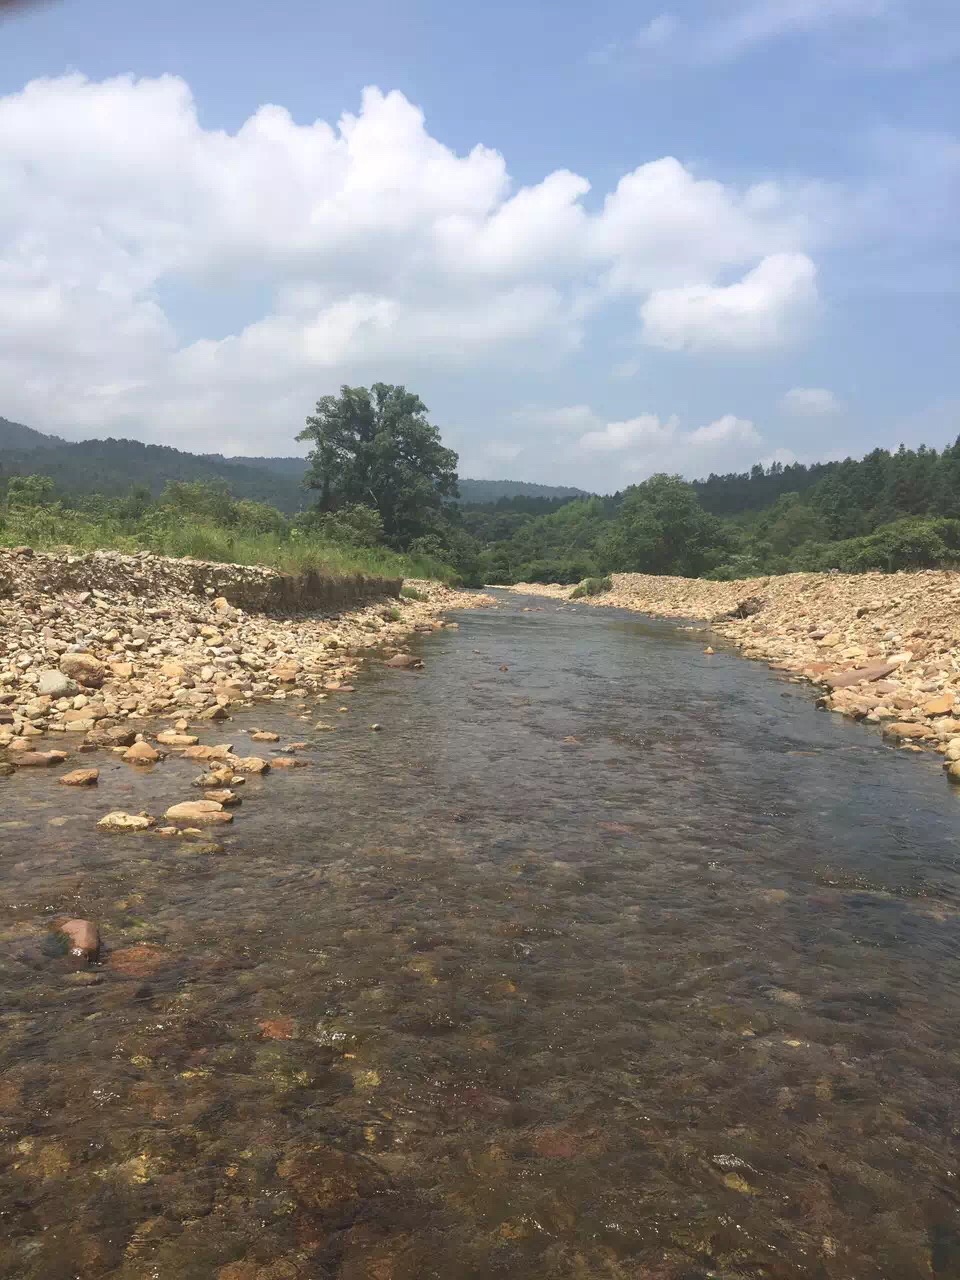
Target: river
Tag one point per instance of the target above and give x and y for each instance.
(620, 962)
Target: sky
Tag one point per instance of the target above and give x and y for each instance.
(599, 240)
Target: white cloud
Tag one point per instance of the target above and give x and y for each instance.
(649, 443)
(616, 437)
(764, 309)
(726, 429)
(810, 402)
(379, 251)
(888, 34)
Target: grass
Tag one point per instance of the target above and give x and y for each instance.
(591, 587)
(50, 528)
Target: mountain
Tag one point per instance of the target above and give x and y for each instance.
(13, 435)
(114, 467)
(476, 491)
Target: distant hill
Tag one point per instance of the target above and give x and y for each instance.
(492, 490)
(13, 435)
(114, 467)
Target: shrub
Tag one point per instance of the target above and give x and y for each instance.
(591, 587)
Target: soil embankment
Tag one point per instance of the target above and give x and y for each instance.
(92, 642)
(886, 647)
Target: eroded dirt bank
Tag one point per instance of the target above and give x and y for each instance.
(886, 647)
(101, 642)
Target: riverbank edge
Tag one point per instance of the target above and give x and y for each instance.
(105, 641)
(882, 648)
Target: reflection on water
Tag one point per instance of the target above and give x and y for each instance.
(622, 962)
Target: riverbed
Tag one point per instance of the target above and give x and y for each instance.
(603, 958)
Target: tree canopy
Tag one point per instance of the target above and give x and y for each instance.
(375, 447)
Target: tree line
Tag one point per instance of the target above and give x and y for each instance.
(380, 479)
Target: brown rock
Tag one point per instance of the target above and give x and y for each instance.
(221, 777)
(289, 762)
(222, 751)
(903, 729)
(215, 713)
(38, 759)
(264, 735)
(250, 764)
(939, 706)
(282, 1028)
(405, 661)
(141, 753)
(120, 821)
(171, 739)
(172, 670)
(83, 668)
(203, 812)
(81, 778)
(226, 797)
(83, 937)
(872, 671)
(139, 961)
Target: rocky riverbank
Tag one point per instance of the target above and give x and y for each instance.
(885, 647)
(93, 648)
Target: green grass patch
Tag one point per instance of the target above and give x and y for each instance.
(50, 528)
(591, 587)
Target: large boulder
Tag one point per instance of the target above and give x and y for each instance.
(55, 684)
(84, 668)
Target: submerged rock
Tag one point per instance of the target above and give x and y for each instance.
(38, 759)
(83, 937)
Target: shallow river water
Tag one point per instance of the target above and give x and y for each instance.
(622, 962)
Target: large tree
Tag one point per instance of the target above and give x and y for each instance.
(661, 528)
(375, 447)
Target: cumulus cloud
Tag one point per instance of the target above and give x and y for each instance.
(377, 250)
(649, 443)
(615, 437)
(726, 429)
(810, 402)
(764, 309)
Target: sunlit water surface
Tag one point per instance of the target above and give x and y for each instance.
(622, 962)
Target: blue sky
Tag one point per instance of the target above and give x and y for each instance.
(599, 240)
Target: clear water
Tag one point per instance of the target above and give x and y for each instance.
(623, 962)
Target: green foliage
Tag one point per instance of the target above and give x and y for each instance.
(411, 593)
(202, 522)
(352, 526)
(591, 587)
(29, 491)
(374, 446)
(661, 528)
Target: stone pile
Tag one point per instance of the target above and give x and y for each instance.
(886, 647)
(129, 639)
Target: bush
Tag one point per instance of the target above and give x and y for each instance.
(591, 587)
(411, 593)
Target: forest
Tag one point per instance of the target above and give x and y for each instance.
(378, 490)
